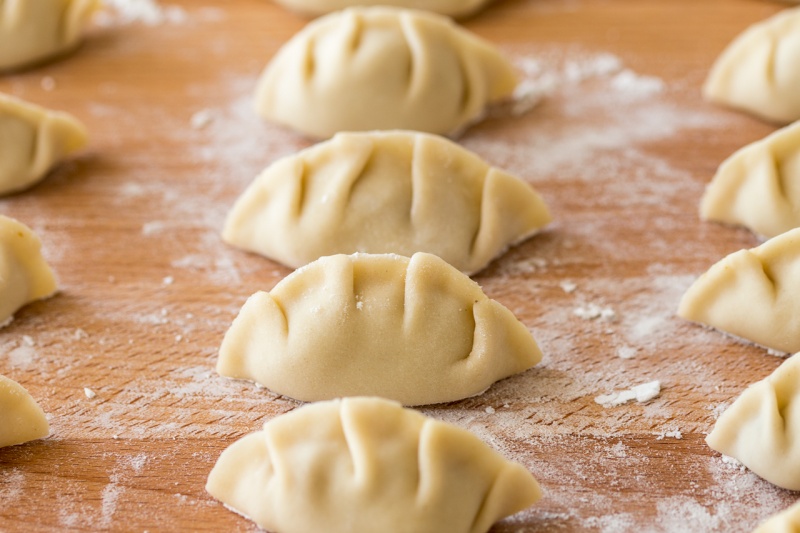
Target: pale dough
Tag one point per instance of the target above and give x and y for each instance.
(752, 294)
(415, 330)
(451, 8)
(32, 140)
(759, 186)
(762, 427)
(787, 521)
(758, 72)
(365, 465)
(32, 31)
(379, 68)
(385, 192)
(24, 274)
(21, 418)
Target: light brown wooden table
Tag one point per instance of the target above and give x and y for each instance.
(147, 289)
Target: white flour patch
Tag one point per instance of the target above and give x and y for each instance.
(147, 12)
(641, 393)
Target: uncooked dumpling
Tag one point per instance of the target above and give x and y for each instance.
(759, 186)
(758, 72)
(385, 192)
(364, 465)
(32, 140)
(32, 31)
(415, 330)
(451, 8)
(752, 294)
(24, 274)
(21, 418)
(382, 68)
(787, 521)
(762, 427)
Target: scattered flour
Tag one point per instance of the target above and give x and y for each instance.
(594, 311)
(147, 12)
(641, 393)
(568, 286)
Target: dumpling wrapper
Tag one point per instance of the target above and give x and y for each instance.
(787, 521)
(759, 186)
(758, 72)
(450, 8)
(382, 68)
(385, 192)
(367, 465)
(21, 418)
(415, 330)
(33, 31)
(762, 427)
(24, 274)
(752, 294)
(32, 140)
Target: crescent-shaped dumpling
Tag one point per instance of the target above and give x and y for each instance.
(451, 8)
(415, 330)
(758, 71)
(752, 294)
(21, 418)
(385, 192)
(762, 427)
(32, 140)
(382, 68)
(759, 186)
(24, 274)
(787, 521)
(364, 465)
(32, 31)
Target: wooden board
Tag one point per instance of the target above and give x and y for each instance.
(621, 150)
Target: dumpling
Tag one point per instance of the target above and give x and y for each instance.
(451, 8)
(752, 294)
(382, 68)
(24, 274)
(21, 418)
(762, 427)
(32, 31)
(759, 186)
(758, 72)
(385, 192)
(415, 330)
(32, 141)
(787, 521)
(363, 465)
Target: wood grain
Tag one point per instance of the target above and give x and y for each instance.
(147, 289)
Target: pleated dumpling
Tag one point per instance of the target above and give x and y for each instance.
(21, 418)
(32, 31)
(762, 427)
(24, 274)
(451, 8)
(758, 71)
(382, 68)
(415, 330)
(32, 140)
(787, 521)
(364, 465)
(752, 294)
(759, 186)
(385, 192)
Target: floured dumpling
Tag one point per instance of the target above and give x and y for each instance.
(382, 68)
(762, 427)
(415, 330)
(24, 274)
(787, 521)
(364, 465)
(32, 31)
(21, 418)
(758, 72)
(451, 8)
(752, 294)
(32, 140)
(759, 186)
(385, 192)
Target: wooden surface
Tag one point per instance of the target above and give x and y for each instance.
(621, 152)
